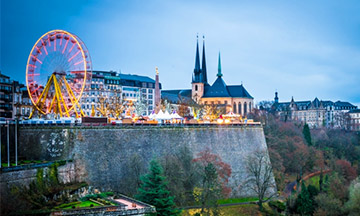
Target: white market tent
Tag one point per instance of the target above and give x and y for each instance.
(174, 115)
(232, 115)
(152, 115)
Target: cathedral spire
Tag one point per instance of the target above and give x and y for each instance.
(203, 66)
(219, 74)
(197, 70)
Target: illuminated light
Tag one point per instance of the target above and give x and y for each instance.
(55, 44)
(227, 121)
(74, 56)
(30, 65)
(44, 45)
(78, 62)
(220, 121)
(49, 40)
(38, 50)
(34, 74)
(36, 59)
(35, 90)
(71, 48)
(65, 46)
(60, 37)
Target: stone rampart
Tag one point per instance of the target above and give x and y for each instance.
(104, 152)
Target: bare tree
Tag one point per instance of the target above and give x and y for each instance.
(260, 176)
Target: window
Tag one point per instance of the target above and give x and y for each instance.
(150, 91)
(225, 102)
(239, 110)
(234, 107)
(250, 107)
(150, 97)
(245, 108)
(196, 87)
(143, 90)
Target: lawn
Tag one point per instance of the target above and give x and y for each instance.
(79, 204)
(313, 181)
(246, 209)
(237, 200)
(23, 162)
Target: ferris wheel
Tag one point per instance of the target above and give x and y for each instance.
(57, 72)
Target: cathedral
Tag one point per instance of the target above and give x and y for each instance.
(234, 97)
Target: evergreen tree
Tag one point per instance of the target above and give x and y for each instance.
(153, 191)
(304, 202)
(307, 134)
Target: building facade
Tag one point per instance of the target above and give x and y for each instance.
(353, 120)
(316, 113)
(234, 98)
(14, 99)
(110, 84)
(6, 97)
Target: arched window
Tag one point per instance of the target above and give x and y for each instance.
(196, 87)
(239, 110)
(234, 108)
(245, 108)
(249, 106)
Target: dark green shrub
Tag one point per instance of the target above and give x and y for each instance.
(277, 205)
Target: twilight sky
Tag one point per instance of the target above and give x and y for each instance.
(304, 49)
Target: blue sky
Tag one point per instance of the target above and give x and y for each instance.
(304, 49)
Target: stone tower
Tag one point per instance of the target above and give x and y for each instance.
(157, 92)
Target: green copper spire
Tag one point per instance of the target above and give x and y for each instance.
(219, 67)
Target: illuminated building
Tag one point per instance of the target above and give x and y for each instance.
(110, 84)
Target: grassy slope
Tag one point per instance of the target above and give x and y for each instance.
(246, 209)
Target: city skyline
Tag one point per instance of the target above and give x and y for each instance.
(304, 50)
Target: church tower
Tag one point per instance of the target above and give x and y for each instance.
(200, 76)
(276, 99)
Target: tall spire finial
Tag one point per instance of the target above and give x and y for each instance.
(157, 70)
(203, 66)
(197, 71)
(219, 74)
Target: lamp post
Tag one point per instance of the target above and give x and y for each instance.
(0, 144)
(8, 142)
(16, 141)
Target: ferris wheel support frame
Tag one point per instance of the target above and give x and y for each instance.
(57, 109)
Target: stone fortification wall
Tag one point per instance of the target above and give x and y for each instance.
(104, 152)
